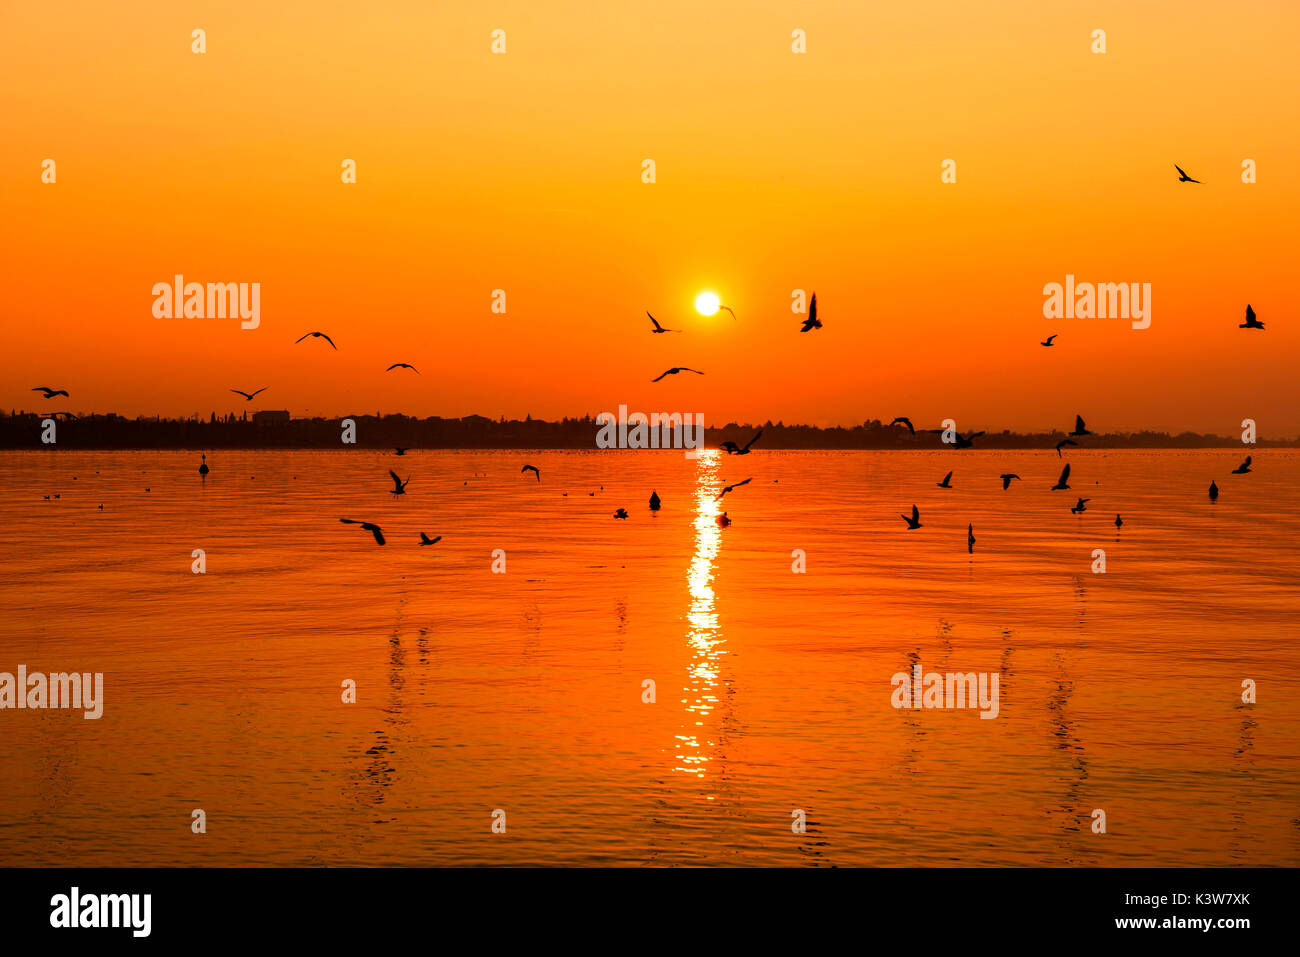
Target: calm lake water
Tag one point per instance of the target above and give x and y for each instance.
(522, 691)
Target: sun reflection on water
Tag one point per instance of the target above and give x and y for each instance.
(703, 636)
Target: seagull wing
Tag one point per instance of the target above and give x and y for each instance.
(812, 309)
(654, 320)
(244, 394)
(336, 349)
(396, 481)
(1065, 474)
(754, 439)
(1078, 423)
(661, 376)
(302, 337)
(916, 514)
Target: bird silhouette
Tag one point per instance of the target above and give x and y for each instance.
(723, 520)
(397, 451)
(733, 449)
(658, 328)
(913, 522)
(654, 501)
(621, 513)
(402, 365)
(248, 396)
(970, 539)
(1006, 479)
(965, 443)
(316, 335)
(676, 369)
(812, 322)
(736, 486)
(1183, 177)
(1064, 481)
(426, 540)
(729, 309)
(370, 527)
(1119, 522)
(1079, 506)
(399, 487)
(1064, 442)
(1214, 491)
(533, 469)
(1079, 427)
(203, 468)
(947, 481)
(1048, 340)
(906, 421)
(50, 393)
(1250, 323)
(1243, 468)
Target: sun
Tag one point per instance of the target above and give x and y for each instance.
(707, 303)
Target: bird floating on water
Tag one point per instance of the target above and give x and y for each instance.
(621, 513)
(1119, 522)
(970, 539)
(723, 520)
(203, 468)
(1214, 491)
(654, 501)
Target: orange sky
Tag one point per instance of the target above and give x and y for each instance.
(776, 171)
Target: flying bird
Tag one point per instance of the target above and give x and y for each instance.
(1064, 481)
(1064, 442)
(812, 322)
(399, 487)
(965, 443)
(370, 527)
(1243, 468)
(1048, 340)
(426, 540)
(317, 335)
(1079, 506)
(402, 365)
(728, 308)
(1183, 177)
(1214, 491)
(736, 486)
(1079, 428)
(733, 449)
(906, 421)
(676, 369)
(947, 481)
(658, 328)
(248, 396)
(1006, 479)
(1250, 323)
(50, 393)
(533, 469)
(914, 521)
(970, 539)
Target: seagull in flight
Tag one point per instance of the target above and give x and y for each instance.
(905, 421)
(1079, 427)
(914, 521)
(733, 449)
(812, 322)
(1048, 340)
(736, 486)
(426, 540)
(676, 369)
(1250, 323)
(1079, 506)
(1006, 479)
(1183, 177)
(370, 527)
(399, 487)
(402, 365)
(50, 393)
(248, 396)
(1064, 481)
(947, 481)
(317, 335)
(1243, 468)
(965, 443)
(658, 328)
(1064, 442)
(533, 469)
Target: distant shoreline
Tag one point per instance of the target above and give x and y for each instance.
(278, 430)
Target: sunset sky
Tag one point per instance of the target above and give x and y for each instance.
(775, 171)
